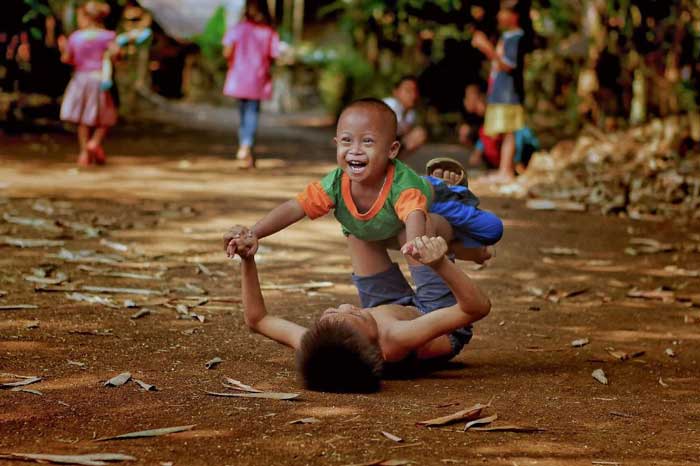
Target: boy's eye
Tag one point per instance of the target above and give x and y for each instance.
(368, 140)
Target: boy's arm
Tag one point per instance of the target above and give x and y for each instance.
(256, 317)
(415, 225)
(279, 218)
(472, 302)
(481, 42)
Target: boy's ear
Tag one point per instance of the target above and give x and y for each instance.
(394, 150)
(335, 140)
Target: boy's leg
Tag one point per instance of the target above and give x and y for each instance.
(378, 280)
(506, 169)
(83, 137)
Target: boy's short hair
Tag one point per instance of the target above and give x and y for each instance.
(334, 357)
(404, 78)
(379, 105)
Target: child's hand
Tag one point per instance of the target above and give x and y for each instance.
(240, 240)
(62, 43)
(427, 251)
(480, 41)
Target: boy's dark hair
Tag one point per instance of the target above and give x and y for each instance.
(404, 78)
(379, 105)
(334, 357)
(262, 7)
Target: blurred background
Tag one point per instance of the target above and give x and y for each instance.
(609, 63)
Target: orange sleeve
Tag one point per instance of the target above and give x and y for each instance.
(410, 200)
(315, 201)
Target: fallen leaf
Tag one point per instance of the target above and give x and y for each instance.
(148, 433)
(145, 386)
(27, 390)
(212, 363)
(306, 420)
(670, 353)
(238, 385)
(559, 251)
(93, 459)
(32, 324)
(82, 365)
(478, 422)
(141, 313)
(662, 383)
(508, 428)
(467, 414)
(660, 294)
(25, 381)
(13, 307)
(599, 375)
(190, 288)
(30, 243)
(114, 245)
(623, 356)
(391, 437)
(383, 463)
(92, 299)
(266, 395)
(88, 256)
(580, 343)
(648, 246)
(107, 289)
(56, 280)
(609, 463)
(3, 293)
(38, 223)
(118, 380)
(551, 204)
(298, 286)
(556, 296)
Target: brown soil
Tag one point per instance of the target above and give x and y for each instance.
(169, 197)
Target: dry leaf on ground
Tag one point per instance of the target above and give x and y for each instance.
(148, 433)
(26, 380)
(17, 307)
(479, 422)
(660, 293)
(118, 380)
(141, 313)
(93, 459)
(391, 437)
(508, 428)
(305, 420)
(266, 395)
(560, 251)
(238, 385)
(600, 376)
(212, 363)
(624, 356)
(145, 386)
(27, 390)
(30, 243)
(580, 342)
(467, 414)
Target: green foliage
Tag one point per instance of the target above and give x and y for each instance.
(209, 41)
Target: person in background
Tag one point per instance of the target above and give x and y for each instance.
(85, 102)
(403, 102)
(250, 47)
(487, 149)
(504, 112)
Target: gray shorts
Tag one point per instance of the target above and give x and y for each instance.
(391, 287)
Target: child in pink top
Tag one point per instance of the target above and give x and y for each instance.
(250, 46)
(85, 103)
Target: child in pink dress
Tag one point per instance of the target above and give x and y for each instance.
(85, 103)
(250, 46)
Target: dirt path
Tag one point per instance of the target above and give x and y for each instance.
(168, 199)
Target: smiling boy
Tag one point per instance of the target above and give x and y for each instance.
(374, 196)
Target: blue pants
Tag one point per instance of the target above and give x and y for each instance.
(250, 111)
(472, 226)
(391, 287)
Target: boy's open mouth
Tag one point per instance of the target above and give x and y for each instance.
(356, 166)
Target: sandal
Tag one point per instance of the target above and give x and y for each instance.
(447, 164)
(97, 154)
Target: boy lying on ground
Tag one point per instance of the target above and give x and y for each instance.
(346, 349)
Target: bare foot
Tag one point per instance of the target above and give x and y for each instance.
(479, 255)
(84, 159)
(449, 177)
(97, 153)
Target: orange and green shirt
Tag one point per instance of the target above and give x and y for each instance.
(404, 191)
